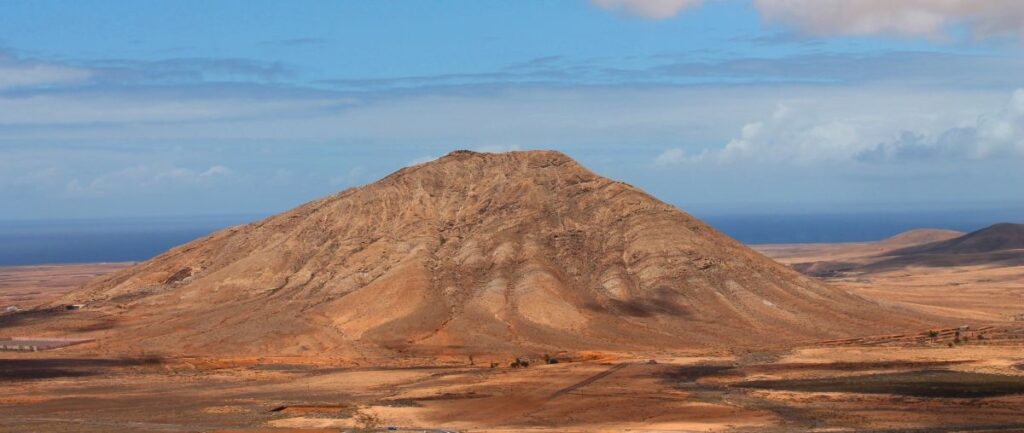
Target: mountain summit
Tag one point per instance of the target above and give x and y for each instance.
(471, 253)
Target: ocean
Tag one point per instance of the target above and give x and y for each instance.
(135, 239)
(102, 240)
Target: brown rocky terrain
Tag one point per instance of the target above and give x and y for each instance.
(523, 252)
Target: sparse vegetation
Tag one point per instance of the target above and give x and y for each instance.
(519, 363)
(549, 360)
(366, 420)
(933, 333)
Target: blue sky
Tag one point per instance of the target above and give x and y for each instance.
(124, 109)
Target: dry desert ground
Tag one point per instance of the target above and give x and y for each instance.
(887, 383)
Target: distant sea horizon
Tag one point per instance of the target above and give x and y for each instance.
(136, 239)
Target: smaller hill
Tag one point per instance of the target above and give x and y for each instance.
(919, 237)
(998, 237)
(997, 245)
(791, 254)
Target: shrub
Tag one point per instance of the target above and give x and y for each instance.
(366, 420)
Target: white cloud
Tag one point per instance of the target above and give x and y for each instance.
(999, 134)
(523, 114)
(787, 136)
(93, 108)
(651, 116)
(918, 18)
(15, 73)
(929, 18)
(143, 177)
(40, 175)
(214, 171)
(809, 137)
(671, 156)
(652, 9)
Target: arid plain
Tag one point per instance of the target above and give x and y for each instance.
(913, 347)
(699, 391)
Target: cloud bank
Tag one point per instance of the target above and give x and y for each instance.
(651, 9)
(996, 135)
(928, 18)
(915, 18)
(800, 138)
(144, 176)
(15, 73)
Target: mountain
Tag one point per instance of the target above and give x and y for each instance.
(522, 252)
